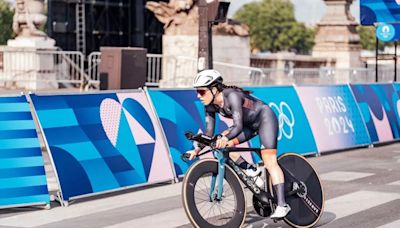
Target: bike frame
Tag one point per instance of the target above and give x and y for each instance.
(222, 155)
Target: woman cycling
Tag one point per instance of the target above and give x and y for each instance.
(250, 117)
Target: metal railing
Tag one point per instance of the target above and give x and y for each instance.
(240, 75)
(154, 69)
(37, 70)
(325, 76)
(179, 71)
(42, 69)
(93, 70)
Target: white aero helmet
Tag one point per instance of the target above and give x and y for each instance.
(207, 78)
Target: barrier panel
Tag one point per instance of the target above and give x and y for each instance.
(22, 174)
(396, 87)
(102, 142)
(334, 117)
(180, 111)
(373, 11)
(378, 104)
(295, 134)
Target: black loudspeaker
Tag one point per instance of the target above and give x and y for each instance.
(126, 67)
(103, 81)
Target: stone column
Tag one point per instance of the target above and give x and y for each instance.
(337, 36)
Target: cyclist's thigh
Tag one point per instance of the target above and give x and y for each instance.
(246, 135)
(268, 130)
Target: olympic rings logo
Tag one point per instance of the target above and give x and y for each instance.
(285, 117)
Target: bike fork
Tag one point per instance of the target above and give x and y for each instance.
(218, 179)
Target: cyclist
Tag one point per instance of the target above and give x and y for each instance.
(250, 117)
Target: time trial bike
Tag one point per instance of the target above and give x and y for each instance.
(213, 196)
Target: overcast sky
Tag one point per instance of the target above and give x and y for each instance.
(307, 11)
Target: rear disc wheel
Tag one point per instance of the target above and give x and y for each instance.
(308, 203)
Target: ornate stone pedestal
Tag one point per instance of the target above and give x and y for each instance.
(28, 60)
(180, 58)
(337, 36)
(29, 64)
(231, 43)
(32, 42)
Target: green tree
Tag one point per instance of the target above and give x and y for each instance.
(6, 18)
(273, 27)
(368, 38)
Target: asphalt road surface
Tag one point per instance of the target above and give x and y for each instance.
(361, 188)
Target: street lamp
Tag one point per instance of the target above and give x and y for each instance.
(217, 10)
(210, 13)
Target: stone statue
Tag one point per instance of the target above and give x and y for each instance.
(28, 18)
(231, 27)
(181, 17)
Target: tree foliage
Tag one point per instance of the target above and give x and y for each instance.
(6, 18)
(368, 38)
(273, 27)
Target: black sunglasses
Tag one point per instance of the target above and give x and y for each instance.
(201, 92)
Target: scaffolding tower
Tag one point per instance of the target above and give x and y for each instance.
(80, 27)
(86, 25)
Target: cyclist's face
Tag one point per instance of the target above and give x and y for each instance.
(205, 95)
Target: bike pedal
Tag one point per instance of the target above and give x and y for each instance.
(277, 220)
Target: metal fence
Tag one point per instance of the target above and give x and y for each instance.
(334, 75)
(319, 76)
(93, 70)
(37, 70)
(154, 69)
(179, 71)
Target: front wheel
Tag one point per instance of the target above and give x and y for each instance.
(205, 211)
(303, 191)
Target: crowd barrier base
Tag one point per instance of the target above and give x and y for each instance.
(66, 203)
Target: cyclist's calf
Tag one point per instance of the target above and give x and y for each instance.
(271, 164)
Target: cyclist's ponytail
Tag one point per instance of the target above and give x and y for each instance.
(222, 86)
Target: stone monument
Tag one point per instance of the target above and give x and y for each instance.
(337, 36)
(28, 18)
(180, 42)
(27, 58)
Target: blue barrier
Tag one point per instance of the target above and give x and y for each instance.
(396, 104)
(22, 174)
(294, 129)
(378, 105)
(180, 111)
(108, 141)
(102, 142)
(372, 11)
(333, 116)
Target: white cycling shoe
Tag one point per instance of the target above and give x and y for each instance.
(280, 212)
(252, 173)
